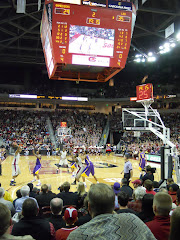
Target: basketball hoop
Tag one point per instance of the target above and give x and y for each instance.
(63, 131)
(144, 95)
(146, 104)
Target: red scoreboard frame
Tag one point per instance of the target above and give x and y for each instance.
(144, 92)
(85, 35)
(65, 16)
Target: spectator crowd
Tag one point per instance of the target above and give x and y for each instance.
(30, 128)
(145, 211)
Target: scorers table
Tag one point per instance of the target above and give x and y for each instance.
(86, 42)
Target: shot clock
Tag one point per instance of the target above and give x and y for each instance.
(144, 92)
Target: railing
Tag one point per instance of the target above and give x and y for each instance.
(105, 135)
(51, 132)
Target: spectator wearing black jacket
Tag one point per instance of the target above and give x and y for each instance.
(18, 195)
(30, 224)
(56, 206)
(69, 198)
(125, 188)
(148, 175)
(86, 217)
(123, 199)
(44, 198)
(31, 193)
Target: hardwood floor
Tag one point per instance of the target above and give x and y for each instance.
(103, 170)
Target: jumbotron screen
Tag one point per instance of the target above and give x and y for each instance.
(86, 35)
(91, 40)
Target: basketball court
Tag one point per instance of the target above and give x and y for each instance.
(107, 170)
(108, 166)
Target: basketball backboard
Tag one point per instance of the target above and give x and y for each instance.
(137, 121)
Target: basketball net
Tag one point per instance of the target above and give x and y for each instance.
(63, 132)
(146, 104)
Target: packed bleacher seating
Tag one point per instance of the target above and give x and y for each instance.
(30, 127)
(86, 129)
(25, 127)
(47, 216)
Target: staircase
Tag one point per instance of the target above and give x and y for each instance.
(51, 132)
(105, 135)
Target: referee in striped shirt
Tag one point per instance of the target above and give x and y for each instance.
(128, 171)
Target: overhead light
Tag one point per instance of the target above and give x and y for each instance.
(178, 36)
(22, 96)
(151, 59)
(138, 55)
(166, 45)
(143, 60)
(150, 54)
(173, 45)
(162, 52)
(167, 50)
(75, 98)
(161, 47)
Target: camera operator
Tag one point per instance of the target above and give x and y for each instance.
(148, 174)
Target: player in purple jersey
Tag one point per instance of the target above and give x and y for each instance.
(89, 168)
(37, 168)
(142, 160)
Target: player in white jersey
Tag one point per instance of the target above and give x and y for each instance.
(63, 160)
(79, 166)
(15, 166)
(48, 151)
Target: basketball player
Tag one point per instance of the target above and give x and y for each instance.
(15, 166)
(63, 160)
(89, 168)
(0, 162)
(37, 167)
(77, 164)
(142, 161)
(48, 151)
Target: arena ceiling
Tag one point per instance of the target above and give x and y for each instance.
(20, 33)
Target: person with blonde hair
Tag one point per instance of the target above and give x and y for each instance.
(81, 194)
(81, 189)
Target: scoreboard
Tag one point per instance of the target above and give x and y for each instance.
(85, 34)
(144, 92)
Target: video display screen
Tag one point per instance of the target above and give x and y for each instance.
(91, 40)
(84, 35)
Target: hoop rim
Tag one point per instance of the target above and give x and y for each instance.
(145, 100)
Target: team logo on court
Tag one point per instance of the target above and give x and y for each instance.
(104, 165)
